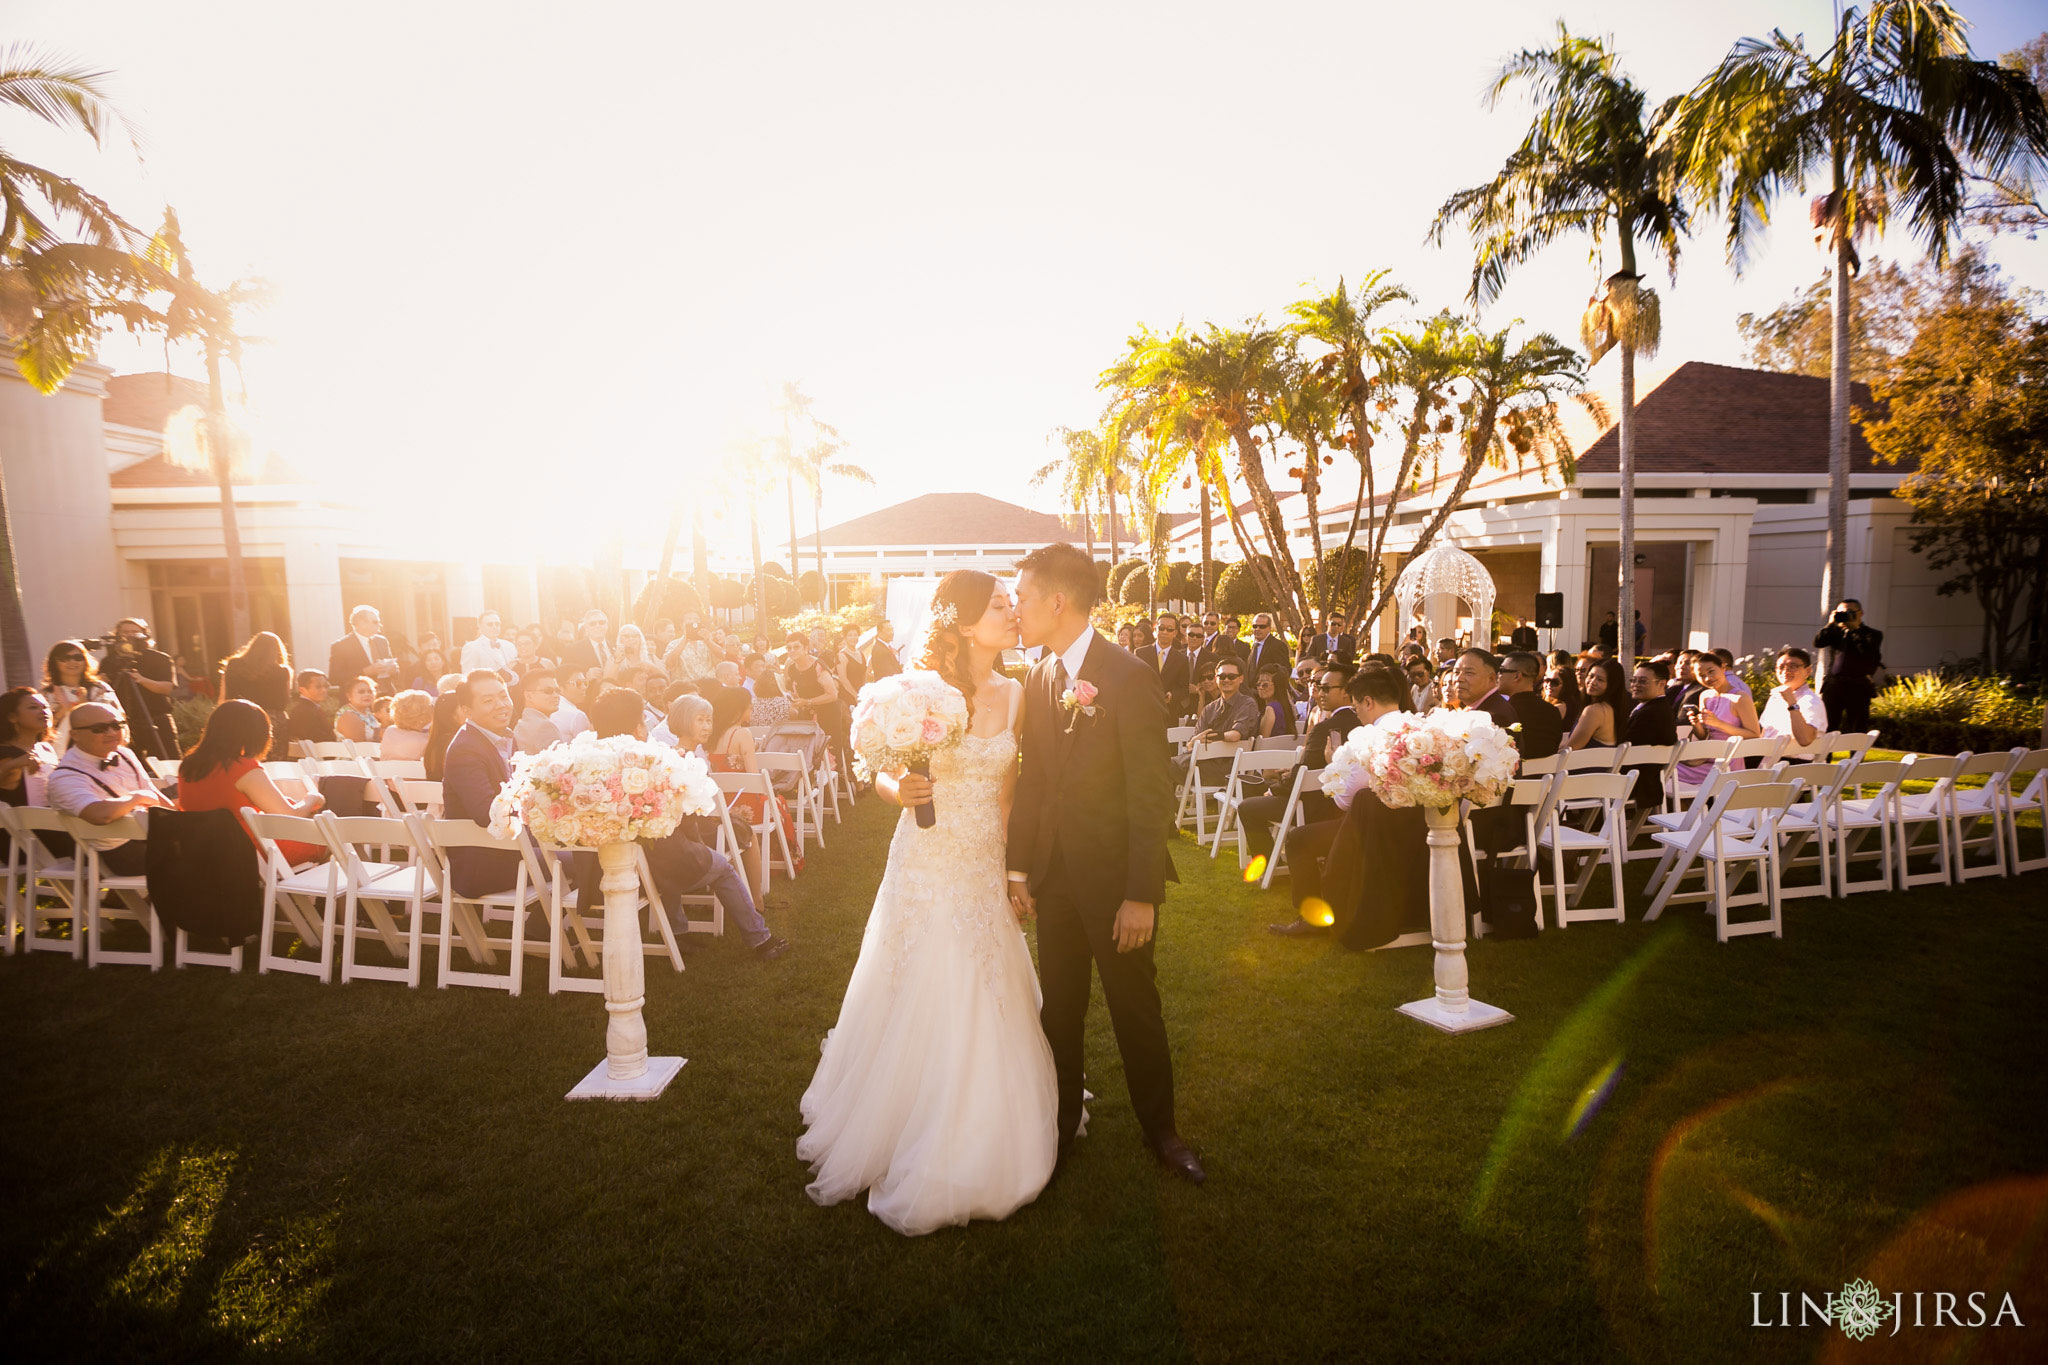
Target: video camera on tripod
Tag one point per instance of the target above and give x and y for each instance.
(150, 734)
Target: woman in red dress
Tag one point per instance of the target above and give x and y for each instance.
(224, 771)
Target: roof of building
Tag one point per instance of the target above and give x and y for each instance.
(1724, 419)
(949, 519)
(148, 400)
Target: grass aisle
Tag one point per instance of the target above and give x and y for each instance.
(195, 1164)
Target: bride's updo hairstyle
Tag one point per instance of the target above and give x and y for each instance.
(960, 600)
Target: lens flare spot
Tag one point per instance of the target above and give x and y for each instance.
(1256, 868)
(1318, 912)
(1592, 1097)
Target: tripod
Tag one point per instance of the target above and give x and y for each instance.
(149, 735)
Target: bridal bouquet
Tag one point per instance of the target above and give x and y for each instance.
(593, 791)
(1436, 759)
(901, 721)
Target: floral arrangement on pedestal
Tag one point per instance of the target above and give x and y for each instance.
(1432, 760)
(589, 792)
(902, 720)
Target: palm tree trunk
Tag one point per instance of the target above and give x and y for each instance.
(1834, 577)
(818, 541)
(700, 550)
(1481, 437)
(760, 579)
(1208, 588)
(14, 650)
(668, 559)
(1115, 545)
(1625, 617)
(224, 479)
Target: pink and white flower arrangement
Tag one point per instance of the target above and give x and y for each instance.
(1079, 700)
(590, 791)
(1436, 759)
(902, 720)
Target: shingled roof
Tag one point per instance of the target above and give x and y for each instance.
(1722, 419)
(148, 400)
(949, 519)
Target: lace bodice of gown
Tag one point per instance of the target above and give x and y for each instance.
(955, 868)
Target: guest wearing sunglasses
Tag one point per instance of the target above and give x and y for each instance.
(100, 780)
(1234, 715)
(69, 681)
(540, 696)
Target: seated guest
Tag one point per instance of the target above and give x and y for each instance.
(426, 677)
(726, 673)
(1735, 680)
(451, 711)
(1603, 717)
(1370, 832)
(592, 648)
(26, 758)
(70, 680)
(661, 637)
(1259, 814)
(412, 722)
(1477, 678)
(687, 726)
(1422, 689)
(1232, 716)
(1650, 721)
(690, 656)
(1716, 711)
(489, 650)
(306, 718)
(101, 780)
(540, 696)
(1542, 728)
(1794, 710)
(732, 751)
(569, 717)
(1276, 704)
(526, 652)
(478, 760)
(356, 720)
(681, 864)
(224, 771)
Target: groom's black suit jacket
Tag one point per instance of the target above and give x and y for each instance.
(1100, 792)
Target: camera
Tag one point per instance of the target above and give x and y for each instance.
(1841, 618)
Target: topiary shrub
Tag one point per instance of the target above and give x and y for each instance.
(1180, 583)
(811, 587)
(669, 597)
(1137, 587)
(1237, 592)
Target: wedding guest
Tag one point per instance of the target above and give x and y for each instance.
(489, 650)
(260, 671)
(1165, 657)
(687, 726)
(661, 637)
(569, 717)
(355, 720)
(1331, 643)
(412, 724)
(431, 667)
(1561, 690)
(1192, 638)
(1542, 728)
(1735, 679)
(690, 656)
(852, 669)
(451, 713)
(540, 696)
(1422, 689)
(100, 780)
(1717, 711)
(1794, 709)
(1477, 678)
(27, 755)
(1202, 687)
(683, 865)
(306, 719)
(1234, 715)
(1123, 637)
(630, 653)
(1604, 716)
(731, 749)
(883, 661)
(474, 768)
(1852, 652)
(1651, 721)
(593, 648)
(1276, 704)
(526, 654)
(1268, 648)
(224, 771)
(1259, 814)
(815, 693)
(70, 681)
(364, 652)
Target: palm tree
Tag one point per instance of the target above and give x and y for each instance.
(65, 268)
(1886, 119)
(1356, 362)
(748, 474)
(814, 464)
(1509, 414)
(1076, 474)
(1592, 163)
(1094, 466)
(209, 319)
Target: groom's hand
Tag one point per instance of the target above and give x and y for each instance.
(1021, 903)
(1133, 925)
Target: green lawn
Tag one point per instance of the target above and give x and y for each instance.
(198, 1164)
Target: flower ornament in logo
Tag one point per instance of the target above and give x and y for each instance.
(1860, 1310)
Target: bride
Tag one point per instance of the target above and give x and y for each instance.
(935, 1092)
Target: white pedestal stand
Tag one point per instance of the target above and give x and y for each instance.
(627, 1072)
(1452, 1008)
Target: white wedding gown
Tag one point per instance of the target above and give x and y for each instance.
(935, 1092)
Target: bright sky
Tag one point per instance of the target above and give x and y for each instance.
(587, 242)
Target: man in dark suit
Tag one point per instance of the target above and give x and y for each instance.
(364, 652)
(1652, 720)
(1087, 844)
(590, 649)
(1165, 657)
(1259, 813)
(1523, 636)
(478, 761)
(1542, 727)
(1477, 677)
(1268, 650)
(1332, 645)
(883, 661)
(1218, 646)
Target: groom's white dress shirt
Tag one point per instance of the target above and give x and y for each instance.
(1074, 653)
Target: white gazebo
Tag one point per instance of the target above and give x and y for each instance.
(1445, 571)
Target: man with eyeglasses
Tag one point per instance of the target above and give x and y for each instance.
(1218, 646)
(540, 696)
(364, 652)
(593, 648)
(1269, 648)
(1334, 645)
(1542, 727)
(1165, 657)
(1234, 715)
(1259, 814)
(100, 780)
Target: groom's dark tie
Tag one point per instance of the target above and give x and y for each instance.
(1059, 678)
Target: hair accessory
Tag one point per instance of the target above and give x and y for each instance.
(946, 614)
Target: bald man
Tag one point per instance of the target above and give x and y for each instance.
(100, 780)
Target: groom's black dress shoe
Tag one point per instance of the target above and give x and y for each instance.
(1299, 928)
(1179, 1158)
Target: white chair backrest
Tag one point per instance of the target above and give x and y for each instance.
(1764, 748)
(779, 761)
(288, 778)
(1940, 769)
(1249, 760)
(440, 835)
(1702, 751)
(368, 750)
(323, 748)
(1650, 755)
(1878, 777)
(1277, 742)
(1818, 782)
(1603, 760)
(1216, 748)
(1539, 767)
(1592, 787)
(165, 767)
(344, 833)
(134, 825)
(743, 784)
(1994, 766)
(270, 829)
(419, 794)
(2029, 775)
(1179, 734)
(1767, 797)
(1851, 744)
(397, 769)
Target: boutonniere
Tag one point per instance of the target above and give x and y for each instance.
(1079, 701)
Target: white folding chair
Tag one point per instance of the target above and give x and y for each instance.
(1537, 767)
(1681, 788)
(1762, 748)
(1177, 737)
(1290, 742)
(289, 779)
(1195, 795)
(328, 749)
(1605, 793)
(767, 829)
(17, 867)
(1858, 816)
(2026, 789)
(1847, 744)
(1720, 843)
(62, 878)
(1981, 805)
(1684, 821)
(1651, 793)
(1290, 817)
(164, 769)
(564, 919)
(376, 885)
(1815, 816)
(131, 889)
(419, 796)
(309, 895)
(1604, 758)
(385, 774)
(1256, 764)
(367, 750)
(1919, 813)
(470, 917)
(1531, 796)
(806, 802)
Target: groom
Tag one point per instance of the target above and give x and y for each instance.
(1087, 841)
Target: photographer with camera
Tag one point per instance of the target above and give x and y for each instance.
(1851, 654)
(144, 680)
